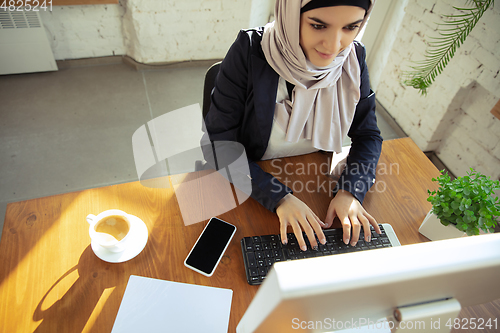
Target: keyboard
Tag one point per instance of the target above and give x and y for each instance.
(261, 252)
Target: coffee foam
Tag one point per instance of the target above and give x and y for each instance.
(115, 227)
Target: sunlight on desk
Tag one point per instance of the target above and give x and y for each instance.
(51, 280)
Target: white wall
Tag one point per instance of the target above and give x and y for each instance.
(84, 31)
(454, 118)
(152, 31)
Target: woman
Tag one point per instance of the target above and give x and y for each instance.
(295, 86)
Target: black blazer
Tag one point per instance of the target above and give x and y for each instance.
(242, 110)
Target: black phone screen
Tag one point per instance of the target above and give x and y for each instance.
(210, 245)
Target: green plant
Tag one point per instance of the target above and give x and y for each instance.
(453, 32)
(467, 202)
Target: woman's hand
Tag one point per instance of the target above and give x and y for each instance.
(292, 211)
(350, 213)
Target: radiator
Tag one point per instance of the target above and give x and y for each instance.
(24, 47)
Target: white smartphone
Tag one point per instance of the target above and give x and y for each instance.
(210, 246)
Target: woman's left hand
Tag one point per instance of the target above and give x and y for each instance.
(350, 213)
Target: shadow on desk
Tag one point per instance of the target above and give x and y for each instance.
(92, 288)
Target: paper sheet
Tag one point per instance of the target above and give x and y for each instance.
(152, 305)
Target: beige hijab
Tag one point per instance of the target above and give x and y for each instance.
(324, 99)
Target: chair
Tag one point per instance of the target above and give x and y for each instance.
(209, 86)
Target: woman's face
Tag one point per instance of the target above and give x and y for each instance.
(327, 31)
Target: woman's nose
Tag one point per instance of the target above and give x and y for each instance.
(333, 42)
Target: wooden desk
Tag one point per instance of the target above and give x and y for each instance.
(51, 281)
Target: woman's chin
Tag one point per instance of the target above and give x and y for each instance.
(321, 62)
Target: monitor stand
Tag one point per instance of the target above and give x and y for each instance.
(435, 316)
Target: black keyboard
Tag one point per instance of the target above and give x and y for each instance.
(261, 252)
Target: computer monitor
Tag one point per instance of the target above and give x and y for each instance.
(416, 282)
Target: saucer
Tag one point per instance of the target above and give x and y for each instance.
(133, 245)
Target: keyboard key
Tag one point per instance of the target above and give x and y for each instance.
(251, 260)
(248, 243)
(267, 238)
(331, 239)
(278, 254)
(253, 271)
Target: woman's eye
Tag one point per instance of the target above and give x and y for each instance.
(352, 27)
(317, 26)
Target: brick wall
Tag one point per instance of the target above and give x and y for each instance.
(152, 31)
(454, 118)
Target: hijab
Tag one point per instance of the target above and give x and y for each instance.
(324, 99)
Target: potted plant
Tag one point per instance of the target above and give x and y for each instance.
(464, 206)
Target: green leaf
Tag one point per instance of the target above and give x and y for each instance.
(462, 226)
(452, 33)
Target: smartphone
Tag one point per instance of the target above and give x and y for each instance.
(210, 246)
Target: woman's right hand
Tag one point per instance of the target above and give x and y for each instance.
(295, 213)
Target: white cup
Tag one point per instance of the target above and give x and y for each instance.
(110, 229)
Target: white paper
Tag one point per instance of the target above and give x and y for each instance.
(152, 305)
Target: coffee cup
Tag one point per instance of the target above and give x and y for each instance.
(110, 229)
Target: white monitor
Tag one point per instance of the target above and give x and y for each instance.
(417, 282)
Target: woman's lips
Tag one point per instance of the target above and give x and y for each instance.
(325, 55)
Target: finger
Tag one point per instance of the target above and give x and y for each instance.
(283, 227)
(330, 216)
(366, 227)
(306, 225)
(356, 227)
(298, 234)
(318, 230)
(374, 223)
(346, 226)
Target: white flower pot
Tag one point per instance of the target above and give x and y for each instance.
(433, 229)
